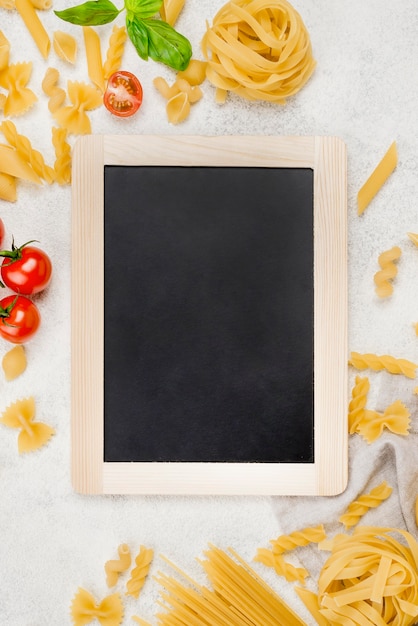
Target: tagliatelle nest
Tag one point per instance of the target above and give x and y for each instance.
(259, 49)
(370, 578)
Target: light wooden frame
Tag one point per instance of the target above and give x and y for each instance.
(328, 474)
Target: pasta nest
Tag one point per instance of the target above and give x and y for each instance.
(259, 49)
(370, 578)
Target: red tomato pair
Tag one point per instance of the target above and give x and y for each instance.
(26, 270)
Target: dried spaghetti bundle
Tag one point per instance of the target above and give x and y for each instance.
(259, 49)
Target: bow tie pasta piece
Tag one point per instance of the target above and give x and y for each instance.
(109, 612)
(14, 361)
(32, 434)
(74, 118)
(20, 98)
(395, 418)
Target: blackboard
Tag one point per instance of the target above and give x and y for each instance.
(212, 304)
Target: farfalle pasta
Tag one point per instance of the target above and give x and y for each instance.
(258, 49)
(114, 567)
(20, 415)
(115, 51)
(140, 572)
(65, 46)
(74, 118)
(363, 503)
(24, 149)
(84, 609)
(395, 418)
(50, 87)
(384, 362)
(62, 165)
(19, 98)
(384, 277)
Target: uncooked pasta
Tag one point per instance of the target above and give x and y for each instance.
(24, 149)
(115, 51)
(20, 98)
(114, 567)
(258, 49)
(363, 503)
(239, 597)
(140, 572)
(14, 362)
(298, 539)
(384, 362)
(370, 578)
(84, 609)
(358, 401)
(394, 418)
(20, 415)
(65, 46)
(282, 568)
(388, 271)
(377, 178)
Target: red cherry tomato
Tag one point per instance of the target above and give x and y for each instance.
(1, 232)
(26, 269)
(123, 95)
(19, 318)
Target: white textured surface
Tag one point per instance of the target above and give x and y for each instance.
(365, 89)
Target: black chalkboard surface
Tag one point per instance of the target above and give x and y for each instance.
(209, 315)
(209, 319)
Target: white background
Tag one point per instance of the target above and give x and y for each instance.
(365, 90)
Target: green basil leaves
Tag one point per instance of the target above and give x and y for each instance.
(158, 40)
(151, 37)
(92, 13)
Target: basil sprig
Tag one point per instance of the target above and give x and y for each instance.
(153, 38)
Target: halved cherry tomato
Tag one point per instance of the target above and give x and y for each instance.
(26, 270)
(19, 318)
(123, 95)
(1, 232)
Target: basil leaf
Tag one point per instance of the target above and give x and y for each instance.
(91, 13)
(167, 45)
(143, 8)
(138, 34)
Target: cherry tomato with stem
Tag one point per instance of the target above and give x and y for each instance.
(19, 318)
(123, 95)
(26, 270)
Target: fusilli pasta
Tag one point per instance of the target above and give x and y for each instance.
(357, 405)
(359, 507)
(298, 539)
(384, 362)
(280, 566)
(387, 273)
(24, 149)
(115, 51)
(62, 165)
(140, 572)
(116, 566)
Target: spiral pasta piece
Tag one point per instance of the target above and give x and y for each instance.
(297, 539)
(281, 567)
(395, 418)
(258, 49)
(24, 149)
(370, 578)
(387, 273)
(116, 566)
(115, 51)
(357, 405)
(62, 165)
(140, 572)
(384, 362)
(50, 87)
(359, 507)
